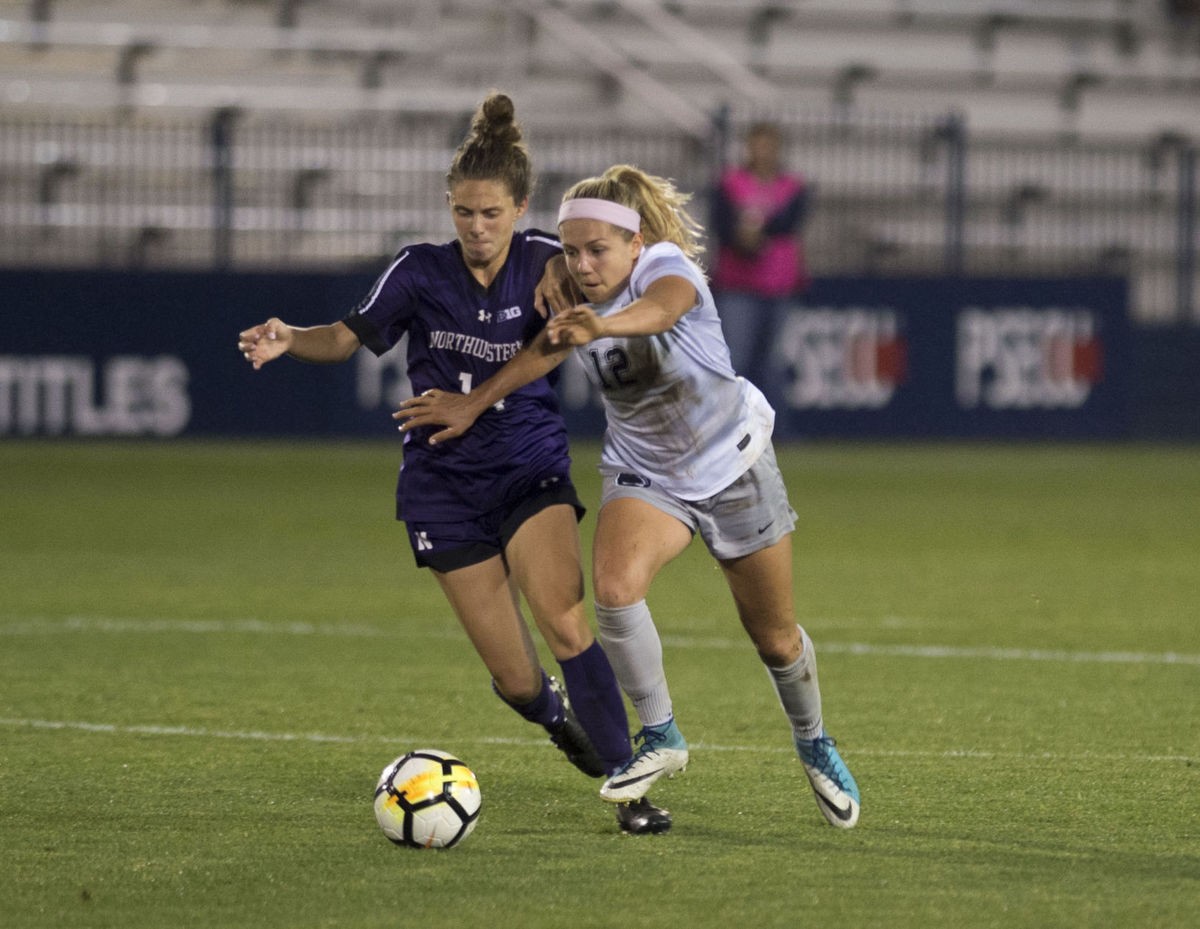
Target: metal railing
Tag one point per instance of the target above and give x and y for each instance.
(892, 194)
(923, 195)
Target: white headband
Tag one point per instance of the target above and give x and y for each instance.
(603, 210)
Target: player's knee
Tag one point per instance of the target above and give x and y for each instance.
(777, 649)
(616, 590)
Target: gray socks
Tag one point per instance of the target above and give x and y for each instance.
(635, 652)
(799, 692)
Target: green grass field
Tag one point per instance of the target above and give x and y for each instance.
(209, 651)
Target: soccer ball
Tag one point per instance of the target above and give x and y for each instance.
(427, 799)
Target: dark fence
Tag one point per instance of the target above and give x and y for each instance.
(152, 353)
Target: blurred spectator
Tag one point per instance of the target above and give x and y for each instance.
(758, 210)
(1183, 17)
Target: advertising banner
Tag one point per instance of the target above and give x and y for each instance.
(154, 354)
(948, 357)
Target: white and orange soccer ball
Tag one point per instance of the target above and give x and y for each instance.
(427, 799)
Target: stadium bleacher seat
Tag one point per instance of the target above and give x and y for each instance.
(141, 81)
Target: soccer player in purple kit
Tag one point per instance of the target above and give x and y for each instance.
(495, 515)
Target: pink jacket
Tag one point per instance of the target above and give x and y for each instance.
(778, 268)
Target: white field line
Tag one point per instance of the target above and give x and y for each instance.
(80, 624)
(398, 740)
(99, 624)
(237, 735)
(74, 624)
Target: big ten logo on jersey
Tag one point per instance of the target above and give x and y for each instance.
(1018, 358)
(123, 395)
(382, 381)
(851, 358)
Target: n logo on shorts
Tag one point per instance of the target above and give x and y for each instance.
(423, 543)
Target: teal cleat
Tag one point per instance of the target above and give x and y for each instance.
(663, 752)
(837, 793)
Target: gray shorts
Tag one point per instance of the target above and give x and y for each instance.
(750, 514)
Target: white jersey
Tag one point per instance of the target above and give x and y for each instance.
(677, 413)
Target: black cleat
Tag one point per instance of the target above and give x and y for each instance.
(641, 817)
(570, 739)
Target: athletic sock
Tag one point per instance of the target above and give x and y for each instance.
(798, 690)
(546, 708)
(635, 651)
(598, 705)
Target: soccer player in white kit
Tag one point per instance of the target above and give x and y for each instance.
(687, 450)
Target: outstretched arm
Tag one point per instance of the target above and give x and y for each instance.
(663, 304)
(317, 344)
(457, 412)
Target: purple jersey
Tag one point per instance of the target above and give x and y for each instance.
(459, 334)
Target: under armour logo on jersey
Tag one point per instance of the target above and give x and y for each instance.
(485, 316)
(423, 543)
